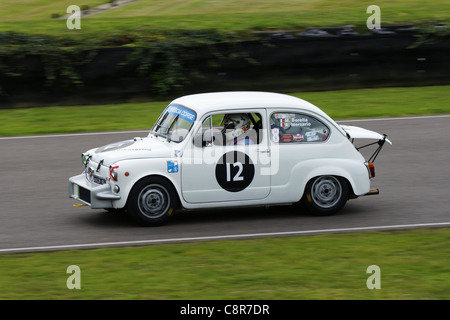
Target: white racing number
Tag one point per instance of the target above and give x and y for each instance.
(235, 171)
(238, 176)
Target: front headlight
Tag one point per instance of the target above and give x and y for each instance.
(89, 172)
(114, 172)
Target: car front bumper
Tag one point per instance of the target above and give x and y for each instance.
(96, 196)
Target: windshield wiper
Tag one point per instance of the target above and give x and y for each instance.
(159, 134)
(158, 124)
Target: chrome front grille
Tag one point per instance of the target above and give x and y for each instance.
(93, 178)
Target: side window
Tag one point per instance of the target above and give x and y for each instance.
(229, 129)
(297, 128)
(204, 136)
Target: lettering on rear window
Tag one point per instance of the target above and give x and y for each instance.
(288, 127)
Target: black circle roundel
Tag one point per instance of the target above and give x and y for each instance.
(235, 171)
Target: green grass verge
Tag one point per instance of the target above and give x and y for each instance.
(413, 264)
(344, 104)
(34, 16)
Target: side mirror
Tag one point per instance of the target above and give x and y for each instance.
(208, 138)
(203, 138)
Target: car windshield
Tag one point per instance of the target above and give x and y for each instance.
(174, 123)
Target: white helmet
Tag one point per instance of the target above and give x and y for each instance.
(235, 125)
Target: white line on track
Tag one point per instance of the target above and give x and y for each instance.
(147, 131)
(221, 237)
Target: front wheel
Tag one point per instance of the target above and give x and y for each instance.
(325, 195)
(152, 201)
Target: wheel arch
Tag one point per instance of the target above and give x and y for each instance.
(155, 175)
(356, 179)
(328, 197)
(344, 177)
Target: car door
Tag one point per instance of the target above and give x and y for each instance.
(215, 170)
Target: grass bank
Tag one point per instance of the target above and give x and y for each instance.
(343, 104)
(413, 265)
(143, 16)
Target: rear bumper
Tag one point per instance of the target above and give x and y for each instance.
(371, 192)
(96, 196)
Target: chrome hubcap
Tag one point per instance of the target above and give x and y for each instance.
(153, 201)
(326, 191)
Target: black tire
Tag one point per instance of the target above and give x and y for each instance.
(325, 195)
(152, 201)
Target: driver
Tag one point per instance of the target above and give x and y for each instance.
(237, 129)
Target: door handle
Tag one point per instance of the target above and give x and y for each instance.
(264, 150)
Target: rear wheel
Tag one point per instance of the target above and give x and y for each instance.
(325, 195)
(152, 201)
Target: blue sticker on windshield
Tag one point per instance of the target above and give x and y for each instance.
(182, 112)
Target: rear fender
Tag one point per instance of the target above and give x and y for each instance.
(354, 172)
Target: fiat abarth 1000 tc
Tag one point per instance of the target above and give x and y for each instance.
(229, 149)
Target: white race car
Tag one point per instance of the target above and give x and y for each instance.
(229, 149)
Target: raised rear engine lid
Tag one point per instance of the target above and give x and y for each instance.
(361, 133)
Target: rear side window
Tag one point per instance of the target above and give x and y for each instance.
(287, 127)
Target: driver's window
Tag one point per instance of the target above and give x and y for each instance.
(229, 129)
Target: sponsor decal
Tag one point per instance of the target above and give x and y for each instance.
(298, 137)
(182, 112)
(301, 122)
(275, 135)
(172, 166)
(312, 136)
(285, 123)
(178, 153)
(284, 115)
(286, 137)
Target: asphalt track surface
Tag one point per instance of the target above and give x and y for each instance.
(37, 215)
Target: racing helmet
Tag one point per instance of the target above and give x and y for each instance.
(235, 125)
